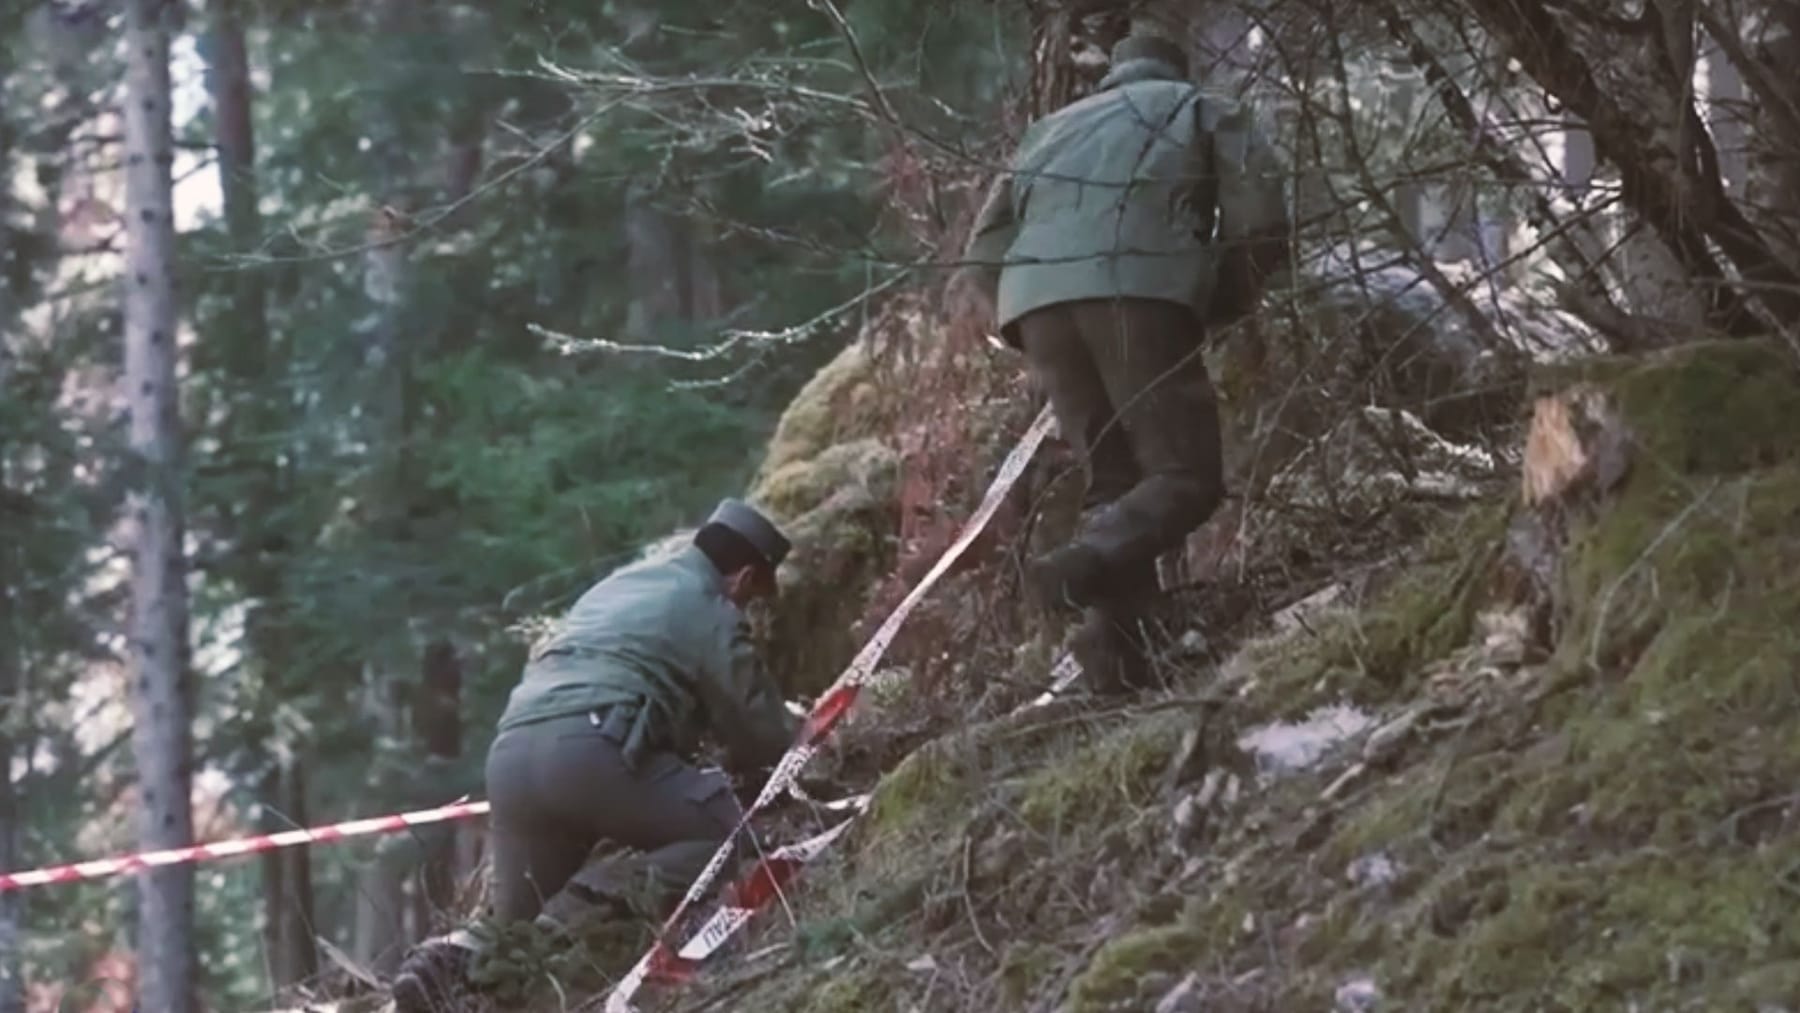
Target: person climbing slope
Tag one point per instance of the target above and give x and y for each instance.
(1130, 221)
(595, 744)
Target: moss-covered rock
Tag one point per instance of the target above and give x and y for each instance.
(842, 403)
(831, 485)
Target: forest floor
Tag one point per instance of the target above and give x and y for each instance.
(1468, 750)
(1409, 779)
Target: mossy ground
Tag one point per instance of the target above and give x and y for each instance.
(1606, 821)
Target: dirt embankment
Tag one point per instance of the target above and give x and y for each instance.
(1509, 744)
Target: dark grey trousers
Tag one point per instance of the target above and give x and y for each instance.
(1128, 384)
(560, 787)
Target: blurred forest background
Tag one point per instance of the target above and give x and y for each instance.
(469, 301)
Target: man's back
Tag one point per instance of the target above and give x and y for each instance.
(1147, 189)
(651, 629)
(1108, 196)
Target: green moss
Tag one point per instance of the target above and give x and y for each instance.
(1024, 967)
(1418, 615)
(1591, 934)
(1101, 781)
(1113, 977)
(847, 990)
(839, 404)
(936, 776)
(1701, 408)
(800, 485)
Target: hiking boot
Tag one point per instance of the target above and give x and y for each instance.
(1114, 650)
(434, 976)
(1067, 579)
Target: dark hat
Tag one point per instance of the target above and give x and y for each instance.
(753, 527)
(1145, 46)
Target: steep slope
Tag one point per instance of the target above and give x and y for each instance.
(1511, 757)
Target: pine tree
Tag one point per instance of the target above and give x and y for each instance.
(158, 632)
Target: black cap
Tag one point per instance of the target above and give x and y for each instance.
(754, 528)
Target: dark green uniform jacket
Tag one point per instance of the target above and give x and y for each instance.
(661, 635)
(1114, 196)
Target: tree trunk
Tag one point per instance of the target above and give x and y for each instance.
(289, 926)
(244, 343)
(379, 933)
(1775, 132)
(673, 280)
(380, 929)
(158, 635)
(654, 265)
(1726, 111)
(1066, 40)
(1223, 56)
(12, 987)
(437, 724)
(1643, 121)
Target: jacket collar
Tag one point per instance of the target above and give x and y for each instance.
(1141, 69)
(693, 559)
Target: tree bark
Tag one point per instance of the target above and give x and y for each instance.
(1726, 108)
(244, 342)
(1060, 30)
(290, 926)
(1774, 139)
(380, 935)
(437, 724)
(1667, 163)
(158, 636)
(12, 987)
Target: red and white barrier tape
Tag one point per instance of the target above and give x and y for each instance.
(241, 846)
(784, 865)
(761, 886)
(756, 889)
(766, 880)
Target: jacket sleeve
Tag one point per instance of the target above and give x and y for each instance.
(1254, 227)
(990, 239)
(743, 703)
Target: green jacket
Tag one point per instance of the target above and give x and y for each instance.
(663, 636)
(1147, 189)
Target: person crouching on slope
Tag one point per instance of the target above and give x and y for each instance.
(595, 741)
(1131, 220)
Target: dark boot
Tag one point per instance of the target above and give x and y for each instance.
(1067, 579)
(434, 976)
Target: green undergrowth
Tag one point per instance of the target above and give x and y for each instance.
(1415, 612)
(1611, 821)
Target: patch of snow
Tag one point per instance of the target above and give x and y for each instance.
(1358, 995)
(1285, 747)
(1375, 869)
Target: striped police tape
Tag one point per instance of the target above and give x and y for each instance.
(764, 882)
(748, 895)
(458, 810)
